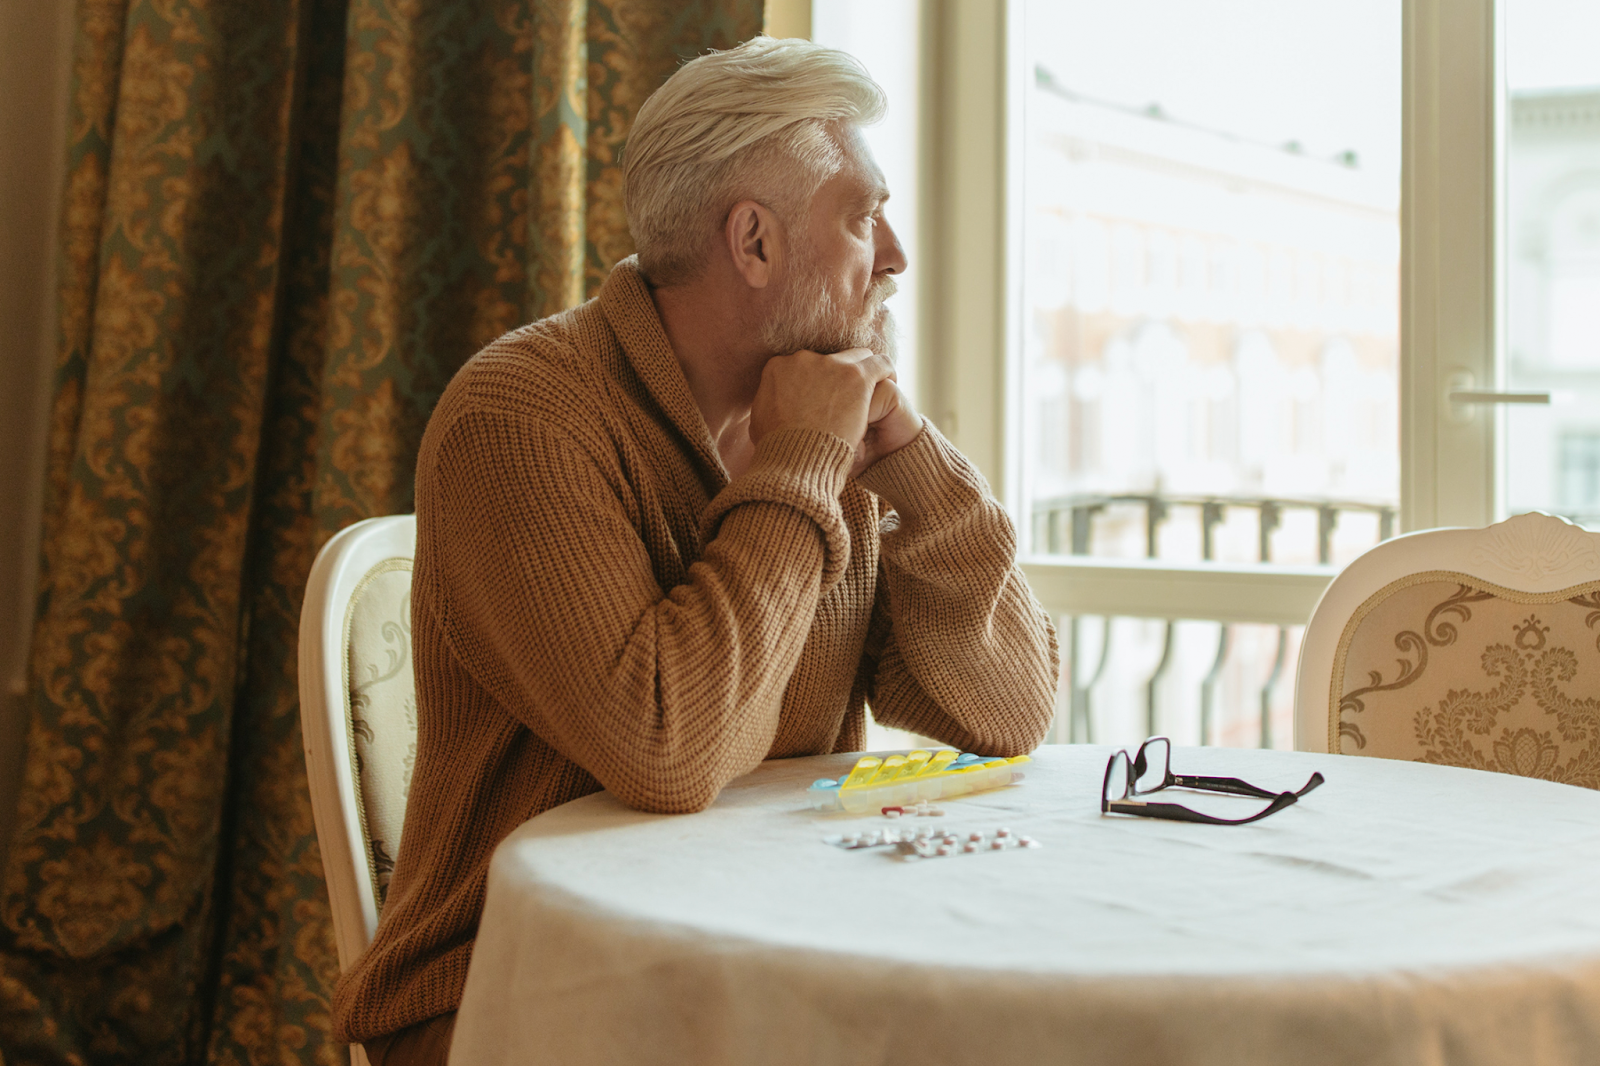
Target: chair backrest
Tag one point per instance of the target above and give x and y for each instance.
(358, 714)
(1470, 647)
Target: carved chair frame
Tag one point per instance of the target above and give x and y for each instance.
(341, 568)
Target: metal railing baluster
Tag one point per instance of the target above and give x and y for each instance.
(1208, 687)
(1327, 522)
(1155, 513)
(1083, 525)
(1075, 661)
(1271, 519)
(1272, 683)
(1211, 516)
(1080, 711)
(1154, 683)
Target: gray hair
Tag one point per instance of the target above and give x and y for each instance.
(752, 122)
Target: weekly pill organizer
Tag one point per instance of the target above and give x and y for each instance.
(874, 784)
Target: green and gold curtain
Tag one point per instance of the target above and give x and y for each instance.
(286, 224)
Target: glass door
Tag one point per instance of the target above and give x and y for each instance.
(1208, 346)
(1550, 359)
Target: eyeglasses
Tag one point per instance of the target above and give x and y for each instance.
(1151, 771)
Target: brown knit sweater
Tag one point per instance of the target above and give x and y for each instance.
(596, 606)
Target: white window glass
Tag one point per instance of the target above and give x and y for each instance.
(1550, 453)
(885, 36)
(1209, 323)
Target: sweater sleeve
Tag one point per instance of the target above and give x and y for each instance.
(547, 595)
(965, 654)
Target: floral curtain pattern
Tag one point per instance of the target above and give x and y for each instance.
(286, 224)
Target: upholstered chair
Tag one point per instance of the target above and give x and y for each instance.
(1468, 647)
(358, 717)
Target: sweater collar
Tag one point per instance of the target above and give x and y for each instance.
(625, 300)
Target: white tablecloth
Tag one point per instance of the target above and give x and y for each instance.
(1401, 913)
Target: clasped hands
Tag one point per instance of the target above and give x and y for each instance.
(851, 394)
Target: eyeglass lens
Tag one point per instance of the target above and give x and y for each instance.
(1150, 766)
(1118, 778)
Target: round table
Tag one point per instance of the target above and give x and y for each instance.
(1401, 913)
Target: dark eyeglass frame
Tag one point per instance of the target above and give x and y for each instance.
(1138, 764)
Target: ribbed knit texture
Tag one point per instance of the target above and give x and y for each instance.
(595, 606)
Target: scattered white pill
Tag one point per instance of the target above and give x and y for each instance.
(1003, 831)
(998, 845)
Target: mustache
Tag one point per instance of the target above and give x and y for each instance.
(881, 289)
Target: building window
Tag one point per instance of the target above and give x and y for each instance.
(1578, 474)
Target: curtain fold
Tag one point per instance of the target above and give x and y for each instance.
(286, 224)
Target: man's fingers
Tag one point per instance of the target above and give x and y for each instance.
(885, 398)
(842, 393)
(874, 365)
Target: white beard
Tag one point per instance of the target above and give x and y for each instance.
(808, 317)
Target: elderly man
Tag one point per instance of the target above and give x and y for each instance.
(692, 524)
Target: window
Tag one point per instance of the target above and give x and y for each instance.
(1551, 215)
(1172, 305)
(1579, 473)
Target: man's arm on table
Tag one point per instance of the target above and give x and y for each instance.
(964, 652)
(548, 597)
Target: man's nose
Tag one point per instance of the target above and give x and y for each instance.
(890, 257)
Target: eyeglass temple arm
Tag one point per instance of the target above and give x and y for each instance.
(1234, 786)
(1178, 813)
(1231, 785)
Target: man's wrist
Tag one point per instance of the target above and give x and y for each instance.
(915, 476)
(815, 457)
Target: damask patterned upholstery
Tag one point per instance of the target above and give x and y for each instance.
(382, 712)
(1445, 668)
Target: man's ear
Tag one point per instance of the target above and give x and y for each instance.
(755, 242)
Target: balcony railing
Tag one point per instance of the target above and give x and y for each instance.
(1087, 588)
(1065, 524)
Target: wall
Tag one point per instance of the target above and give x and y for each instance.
(788, 18)
(35, 56)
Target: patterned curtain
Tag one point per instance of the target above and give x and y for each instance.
(286, 224)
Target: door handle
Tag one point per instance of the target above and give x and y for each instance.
(1464, 401)
(1479, 396)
